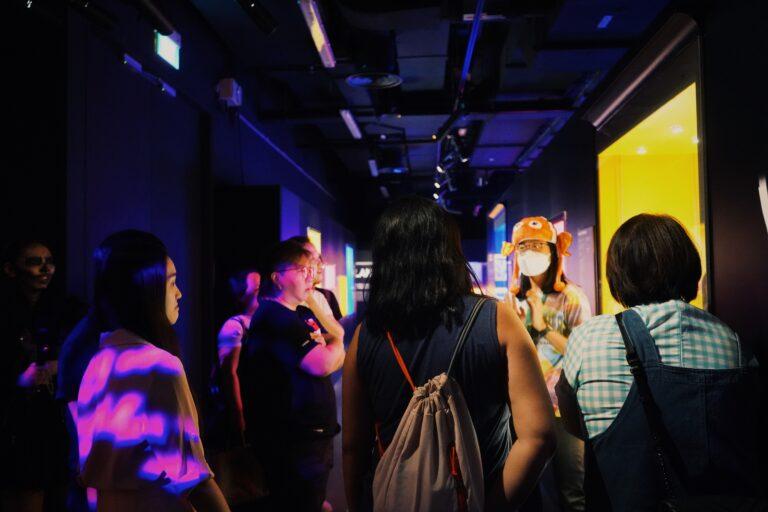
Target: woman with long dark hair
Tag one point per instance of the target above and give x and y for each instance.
(421, 294)
(137, 425)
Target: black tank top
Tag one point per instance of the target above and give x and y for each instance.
(480, 370)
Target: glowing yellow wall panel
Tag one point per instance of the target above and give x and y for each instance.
(316, 238)
(653, 168)
(341, 294)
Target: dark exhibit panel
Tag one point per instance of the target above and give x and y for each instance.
(136, 160)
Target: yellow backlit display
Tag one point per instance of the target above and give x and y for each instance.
(341, 288)
(653, 168)
(316, 238)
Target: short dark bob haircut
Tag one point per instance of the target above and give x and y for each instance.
(130, 287)
(284, 254)
(419, 272)
(651, 259)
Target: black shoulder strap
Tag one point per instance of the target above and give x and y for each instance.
(465, 331)
(651, 410)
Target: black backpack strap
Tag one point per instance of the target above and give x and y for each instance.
(465, 331)
(652, 413)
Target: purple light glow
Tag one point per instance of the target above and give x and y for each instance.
(132, 398)
(145, 360)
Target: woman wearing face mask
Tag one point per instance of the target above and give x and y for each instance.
(288, 397)
(34, 322)
(137, 426)
(551, 306)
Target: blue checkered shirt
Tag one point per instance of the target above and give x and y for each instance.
(595, 359)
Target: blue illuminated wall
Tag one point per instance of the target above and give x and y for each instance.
(137, 157)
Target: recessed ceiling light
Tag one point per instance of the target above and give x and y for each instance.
(695, 139)
(440, 169)
(436, 196)
(604, 21)
(437, 184)
(642, 150)
(676, 129)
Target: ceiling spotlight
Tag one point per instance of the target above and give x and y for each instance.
(642, 150)
(352, 126)
(317, 30)
(464, 159)
(373, 167)
(462, 132)
(695, 139)
(676, 129)
(436, 196)
(437, 184)
(440, 169)
(604, 21)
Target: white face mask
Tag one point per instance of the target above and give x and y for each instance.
(533, 263)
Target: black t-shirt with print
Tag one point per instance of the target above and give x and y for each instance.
(280, 399)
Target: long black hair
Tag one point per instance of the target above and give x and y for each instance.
(419, 273)
(549, 279)
(130, 287)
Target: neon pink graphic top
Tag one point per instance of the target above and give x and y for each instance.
(137, 427)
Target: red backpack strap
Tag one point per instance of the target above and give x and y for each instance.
(400, 361)
(377, 426)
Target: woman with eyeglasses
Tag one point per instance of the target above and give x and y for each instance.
(551, 306)
(34, 321)
(288, 397)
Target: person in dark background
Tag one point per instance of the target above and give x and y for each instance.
(290, 406)
(34, 320)
(76, 352)
(333, 302)
(244, 295)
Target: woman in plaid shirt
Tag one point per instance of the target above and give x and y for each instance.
(698, 372)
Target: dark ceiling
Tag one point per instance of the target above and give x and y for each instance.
(535, 63)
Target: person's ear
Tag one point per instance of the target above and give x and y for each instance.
(9, 271)
(275, 277)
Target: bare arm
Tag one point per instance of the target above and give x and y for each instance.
(557, 340)
(207, 497)
(324, 314)
(357, 427)
(531, 413)
(231, 382)
(326, 358)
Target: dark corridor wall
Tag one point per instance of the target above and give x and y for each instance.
(32, 146)
(138, 157)
(563, 179)
(735, 112)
